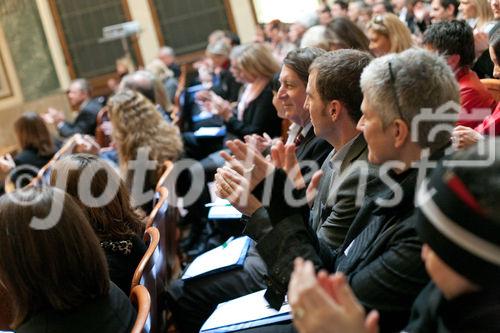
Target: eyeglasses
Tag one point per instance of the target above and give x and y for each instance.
(393, 86)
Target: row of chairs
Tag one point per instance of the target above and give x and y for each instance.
(161, 262)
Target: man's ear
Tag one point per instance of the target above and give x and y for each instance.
(334, 109)
(450, 10)
(401, 133)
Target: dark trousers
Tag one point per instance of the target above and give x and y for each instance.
(192, 302)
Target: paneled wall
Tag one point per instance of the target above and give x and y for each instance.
(30, 54)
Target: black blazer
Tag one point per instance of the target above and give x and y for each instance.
(472, 312)
(85, 122)
(227, 87)
(110, 314)
(313, 148)
(381, 255)
(122, 264)
(314, 234)
(260, 116)
(29, 158)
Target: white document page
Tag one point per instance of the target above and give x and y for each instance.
(243, 310)
(225, 255)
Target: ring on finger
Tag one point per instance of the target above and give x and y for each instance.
(299, 313)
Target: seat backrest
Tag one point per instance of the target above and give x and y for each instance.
(168, 166)
(100, 136)
(146, 275)
(43, 176)
(140, 298)
(177, 107)
(493, 86)
(164, 217)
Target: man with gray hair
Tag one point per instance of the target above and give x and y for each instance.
(79, 93)
(381, 252)
(167, 55)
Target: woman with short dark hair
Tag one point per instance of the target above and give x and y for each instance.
(36, 148)
(54, 272)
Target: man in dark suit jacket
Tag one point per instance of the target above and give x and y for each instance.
(338, 127)
(79, 99)
(380, 255)
(334, 117)
(193, 301)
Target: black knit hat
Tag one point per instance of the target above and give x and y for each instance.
(453, 223)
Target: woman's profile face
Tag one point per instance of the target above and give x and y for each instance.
(379, 44)
(468, 9)
(245, 76)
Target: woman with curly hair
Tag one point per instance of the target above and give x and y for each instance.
(106, 202)
(138, 128)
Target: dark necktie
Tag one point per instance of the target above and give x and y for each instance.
(298, 139)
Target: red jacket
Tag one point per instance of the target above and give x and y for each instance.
(491, 124)
(473, 96)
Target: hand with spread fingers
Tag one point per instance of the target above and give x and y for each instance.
(261, 142)
(221, 107)
(284, 157)
(326, 304)
(233, 186)
(251, 164)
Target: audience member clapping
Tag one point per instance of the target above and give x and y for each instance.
(460, 258)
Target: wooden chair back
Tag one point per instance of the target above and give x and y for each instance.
(140, 298)
(43, 176)
(165, 217)
(100, 136)
(146, 275)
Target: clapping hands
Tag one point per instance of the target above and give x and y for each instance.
(53, 116)
(326, 303)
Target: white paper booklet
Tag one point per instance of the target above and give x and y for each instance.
(228, 256)
(245, 312)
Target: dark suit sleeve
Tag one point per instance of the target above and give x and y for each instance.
(258, 225)
(289, 239)
(392, 280)
(262, 118)
(293, 236)
(84, 123)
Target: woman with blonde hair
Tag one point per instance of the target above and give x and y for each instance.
(387, 34)
(139, 128)
(254, 65)
(478, 14)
